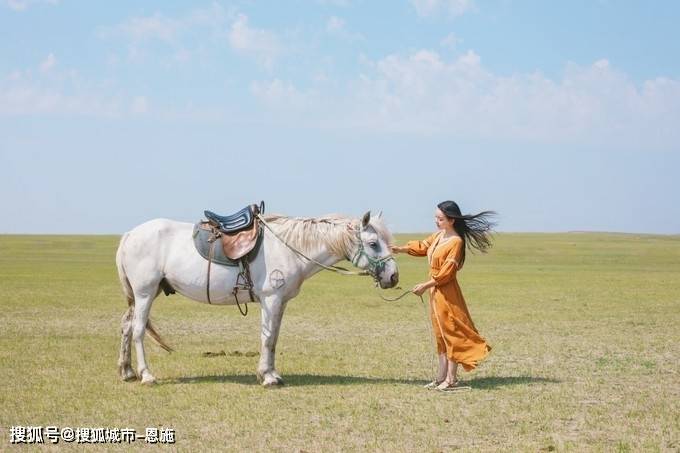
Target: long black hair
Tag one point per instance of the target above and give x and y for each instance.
(475, 230)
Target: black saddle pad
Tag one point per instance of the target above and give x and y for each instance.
(202, 245)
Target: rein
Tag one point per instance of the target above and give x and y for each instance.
(375, 265)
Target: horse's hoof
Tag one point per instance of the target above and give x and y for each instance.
(127, 374)
(148, 379)
(128, 377)
(272, 382)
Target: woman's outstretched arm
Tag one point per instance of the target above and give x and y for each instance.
(415, 248)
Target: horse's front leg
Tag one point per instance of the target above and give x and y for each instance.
(272, 312)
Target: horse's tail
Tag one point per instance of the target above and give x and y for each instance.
(130, 296)
(156, 336)
(125, 283)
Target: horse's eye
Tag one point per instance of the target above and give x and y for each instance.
(374, 245)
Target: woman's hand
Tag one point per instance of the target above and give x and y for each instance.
(396, 249)
(420, 288)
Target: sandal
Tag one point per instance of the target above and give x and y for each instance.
(432, 385)
(446, 385)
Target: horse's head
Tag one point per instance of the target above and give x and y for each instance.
(373, 253)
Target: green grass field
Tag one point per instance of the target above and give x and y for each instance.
(585, 330)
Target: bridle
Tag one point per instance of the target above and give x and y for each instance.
(375, 265)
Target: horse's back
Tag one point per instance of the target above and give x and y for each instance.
(160, 228)
(153, 240)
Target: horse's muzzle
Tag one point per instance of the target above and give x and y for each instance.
(394, 279)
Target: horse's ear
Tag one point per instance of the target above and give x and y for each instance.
(380, 214)
(365, 219)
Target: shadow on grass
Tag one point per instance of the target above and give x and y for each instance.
(290, 380)
(492, 382)
(295, 380)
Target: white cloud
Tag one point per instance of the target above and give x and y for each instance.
(60, 93)
(140, 105)
(260, 44)
(17, 5)
(15, 76)
(182, 55)
(214, 16)
(193, 35)
(450, 41)
(33, 99)
(422, 93)
(23, 5)
(156, 26)
(160, 27)
(178, 35)
(279, 94)
(452, 8)
(335, 25)
(48, 63)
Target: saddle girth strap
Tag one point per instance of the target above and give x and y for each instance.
(247, 283)
(210, 258)
(243, 281)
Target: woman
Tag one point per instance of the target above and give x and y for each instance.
(457, 338)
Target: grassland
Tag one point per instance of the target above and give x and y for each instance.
(585, 330)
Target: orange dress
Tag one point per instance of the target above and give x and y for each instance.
(452, 325)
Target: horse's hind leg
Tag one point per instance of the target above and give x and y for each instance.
(139, 320)
(124, 366)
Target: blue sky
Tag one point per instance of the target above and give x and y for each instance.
(560, 116)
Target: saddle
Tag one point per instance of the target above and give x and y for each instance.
(234, 223)
(239, 235)
(240, 238)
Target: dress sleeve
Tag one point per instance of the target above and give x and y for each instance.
(450, 267)
(419, 248)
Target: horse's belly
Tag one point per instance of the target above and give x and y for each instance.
(218, 295)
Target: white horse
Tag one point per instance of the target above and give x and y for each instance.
(163, 250)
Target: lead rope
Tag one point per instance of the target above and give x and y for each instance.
(428, 321)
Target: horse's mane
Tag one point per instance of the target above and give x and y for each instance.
(331, 230)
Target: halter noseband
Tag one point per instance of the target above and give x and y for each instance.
(375, 265)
